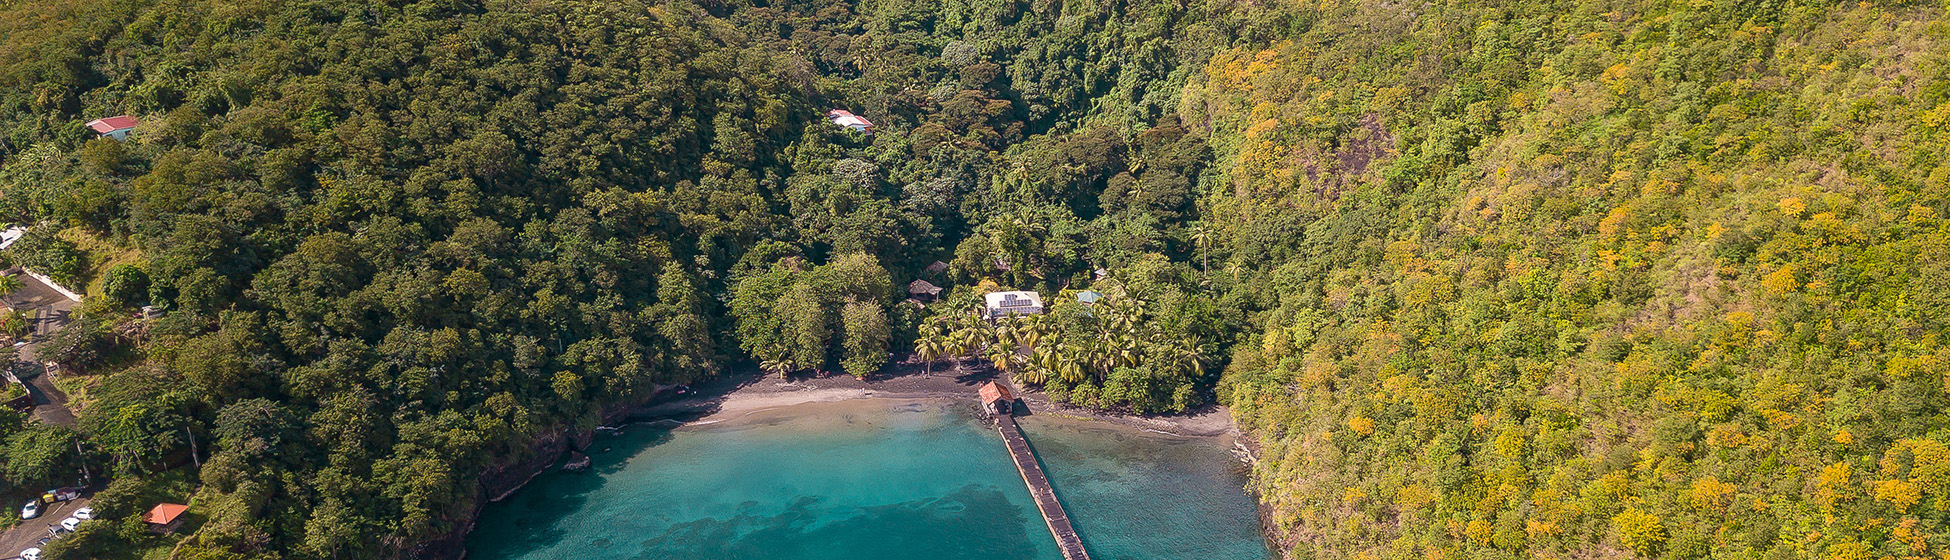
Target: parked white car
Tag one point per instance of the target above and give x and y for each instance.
(31, 510)
(85, 513)
(70, 523)
(30, 554)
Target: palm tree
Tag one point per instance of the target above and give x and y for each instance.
(1066, 361)
(1005, 334)
(1031, 332)
(1202, 235)
(967, 339)
(1002, 357)
(929, 348)
(8, 285)
(778, 367)
(1033, 375)
(13, 322)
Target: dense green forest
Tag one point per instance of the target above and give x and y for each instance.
(1552, 279)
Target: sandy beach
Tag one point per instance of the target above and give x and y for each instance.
(738, 395)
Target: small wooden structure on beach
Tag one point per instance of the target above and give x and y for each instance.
(996, 399)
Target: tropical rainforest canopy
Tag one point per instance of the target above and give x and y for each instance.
(1504, 279)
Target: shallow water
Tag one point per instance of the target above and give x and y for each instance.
(870, 480)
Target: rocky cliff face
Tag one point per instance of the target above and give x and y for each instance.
(498, 482)
(501, 480)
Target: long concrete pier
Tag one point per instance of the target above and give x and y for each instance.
(1032, 475)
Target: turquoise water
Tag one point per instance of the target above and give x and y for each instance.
(871, 480)
(1137, 496)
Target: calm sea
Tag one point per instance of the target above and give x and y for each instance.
(876, 480)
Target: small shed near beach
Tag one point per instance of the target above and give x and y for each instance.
(996, 399)
(923, 290)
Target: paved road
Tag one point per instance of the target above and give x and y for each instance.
(48, 311)
(23, 536)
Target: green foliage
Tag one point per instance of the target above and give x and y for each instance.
(864, 330)
(41, 251)
(39, 455)
(1118, 353)
(1541, 280)
(1485, 279)
(126, 285)
(82, 345)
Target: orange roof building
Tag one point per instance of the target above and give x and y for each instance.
(996, 398)
(165, 518)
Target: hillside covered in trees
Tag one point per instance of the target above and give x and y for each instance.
(1585, 278)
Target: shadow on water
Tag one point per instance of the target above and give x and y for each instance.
(976, 522)
(536, 512)
(1134, 496)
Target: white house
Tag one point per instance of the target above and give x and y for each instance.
(846, 119)
(116, 127)
(1008, 304)
(13, 234)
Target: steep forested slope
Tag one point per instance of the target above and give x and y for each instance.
(1594, 279)
(1556, 279)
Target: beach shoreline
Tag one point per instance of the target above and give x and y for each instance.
(739, 395)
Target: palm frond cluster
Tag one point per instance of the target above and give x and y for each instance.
(1109, 354)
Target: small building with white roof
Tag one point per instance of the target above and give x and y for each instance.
(846, 119)
(1010, 304)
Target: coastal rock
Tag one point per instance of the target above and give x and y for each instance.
(500, 480)
(577, 462)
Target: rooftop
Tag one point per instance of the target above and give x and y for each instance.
(846, 118)
(164, 514)
(1008, 300)
(112, 124)
(992, 391)
(923, 287)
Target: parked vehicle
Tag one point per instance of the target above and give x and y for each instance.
(61, 494)
(31, 510)
(85, 513)
(30, 554)
(71, 523)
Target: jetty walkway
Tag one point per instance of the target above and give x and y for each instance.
(1032, 475)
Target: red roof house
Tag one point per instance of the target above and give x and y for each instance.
(116, 127)
(996, 398)
(165, 518)
(847, 119)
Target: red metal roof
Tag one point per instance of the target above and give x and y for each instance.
(992, 391)
(846, 118)
(164, 514)
(112, 124)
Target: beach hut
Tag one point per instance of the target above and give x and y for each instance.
(165, 518)
(996, 399)
(116, 127)
(922, 290)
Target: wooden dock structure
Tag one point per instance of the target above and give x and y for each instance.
(1039, 488)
